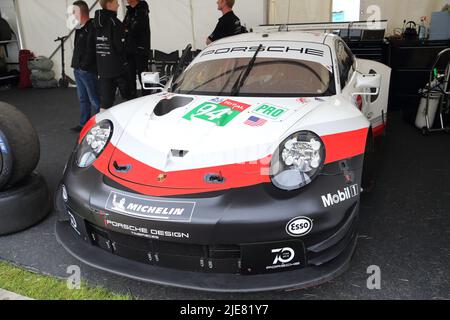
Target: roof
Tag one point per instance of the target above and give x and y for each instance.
(316, 37)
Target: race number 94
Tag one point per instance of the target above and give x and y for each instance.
(211, 112)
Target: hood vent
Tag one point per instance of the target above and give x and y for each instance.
(166, 106)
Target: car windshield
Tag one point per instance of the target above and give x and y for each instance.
(269, 77)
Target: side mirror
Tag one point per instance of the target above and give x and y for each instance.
(368, 81)
(151, 81)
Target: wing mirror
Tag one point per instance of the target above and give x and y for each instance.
(151, 81)
(368, 81)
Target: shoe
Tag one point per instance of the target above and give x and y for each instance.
(76, 129)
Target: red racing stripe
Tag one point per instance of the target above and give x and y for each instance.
(345, 145)
(143, 178)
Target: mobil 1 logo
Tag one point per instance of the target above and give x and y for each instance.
(340, 196)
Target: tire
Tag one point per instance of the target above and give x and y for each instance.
(24, 205)
(6, 161)
(23, 142)
(368, 175)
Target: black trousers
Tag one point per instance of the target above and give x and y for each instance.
(108, 89)
(136, 65)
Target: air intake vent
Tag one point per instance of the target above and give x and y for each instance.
(166, 106)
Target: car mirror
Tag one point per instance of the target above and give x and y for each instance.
(151, 81)
(368, 81)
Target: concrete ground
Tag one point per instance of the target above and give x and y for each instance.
(7, 295)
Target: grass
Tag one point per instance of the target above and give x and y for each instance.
(41, 287)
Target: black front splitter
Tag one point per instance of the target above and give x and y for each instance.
(299, 279)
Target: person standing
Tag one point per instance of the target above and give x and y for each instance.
(84, 65)
(111, 56)
(137, 30)
(228, 25)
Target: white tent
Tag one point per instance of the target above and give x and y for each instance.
(175, 23)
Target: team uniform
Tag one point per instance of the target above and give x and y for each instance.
(111, 58)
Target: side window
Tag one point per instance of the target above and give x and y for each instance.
(346, 62)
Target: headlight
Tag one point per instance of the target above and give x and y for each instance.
(93, 143)
(297, 161)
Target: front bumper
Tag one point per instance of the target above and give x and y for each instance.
(103, 260)
(234, 241)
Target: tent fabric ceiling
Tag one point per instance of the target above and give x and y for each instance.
(192, 21)
(299, 11)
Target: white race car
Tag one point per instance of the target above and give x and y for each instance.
(244, 174)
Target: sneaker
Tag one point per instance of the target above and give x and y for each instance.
(76, 129)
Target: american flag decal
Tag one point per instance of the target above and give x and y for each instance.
(255, 122)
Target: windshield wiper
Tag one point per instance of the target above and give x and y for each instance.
(241, 80)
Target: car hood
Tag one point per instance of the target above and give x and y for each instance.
(169, 132)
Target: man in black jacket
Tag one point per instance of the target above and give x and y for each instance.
(84, 65)
(111, 57)
(228, 25)
(137, 29)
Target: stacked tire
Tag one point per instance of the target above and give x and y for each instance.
(24, 195)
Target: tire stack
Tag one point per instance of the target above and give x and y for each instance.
(42, 75)
(24, 195)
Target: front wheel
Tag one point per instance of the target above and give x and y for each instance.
(19, 144)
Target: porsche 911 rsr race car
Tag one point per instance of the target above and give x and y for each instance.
(244, 174)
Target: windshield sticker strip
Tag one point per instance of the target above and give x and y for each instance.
(318, 53)
(278, 49)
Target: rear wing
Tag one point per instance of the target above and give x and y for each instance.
(379, 26)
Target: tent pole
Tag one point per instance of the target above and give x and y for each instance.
(266, 11)
(194, 45)
(19, 25)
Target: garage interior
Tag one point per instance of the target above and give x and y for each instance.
(404, 225)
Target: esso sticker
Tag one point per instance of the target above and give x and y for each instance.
(299, 226)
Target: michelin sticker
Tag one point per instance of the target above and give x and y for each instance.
(150, 209)
(218, 112)
(299, 227)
